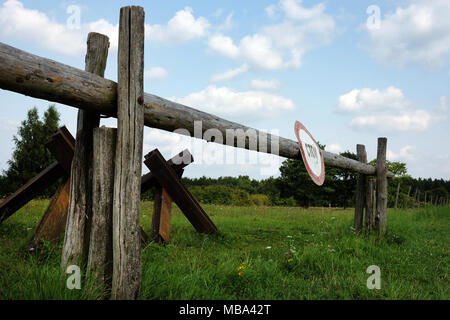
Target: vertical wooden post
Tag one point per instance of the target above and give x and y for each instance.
(360, 191)
(381, 213)
(407, 198)
(100, 244)
(396, 196)
(425, 198)
(76, 239)
(418, 199)
(370, 202)
(127, 177)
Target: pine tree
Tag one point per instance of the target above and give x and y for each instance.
(30, 155)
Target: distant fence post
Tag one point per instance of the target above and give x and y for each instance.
(380, 218)
(370, 204)
(76, 238)
(407, 197)
(128, 166)
(396, 196)
(360, 190)
(425, 198)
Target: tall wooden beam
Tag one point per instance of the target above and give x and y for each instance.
(370, 204)
(382, 193)
(76, 241)
(46, 79)
(360, 191)
(127, 177)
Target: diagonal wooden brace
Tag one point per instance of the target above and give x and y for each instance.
(168, 179)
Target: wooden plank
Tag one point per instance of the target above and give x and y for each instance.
(360, 191)
(127, 178)
(76, 240)
(62, 146)
(30, 190)
(382, 194)
(100, 245)
(53, 222)
(168, 179)
(49, 80)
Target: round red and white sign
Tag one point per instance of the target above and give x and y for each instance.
(311, 154)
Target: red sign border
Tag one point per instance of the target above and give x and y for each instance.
(319, 180)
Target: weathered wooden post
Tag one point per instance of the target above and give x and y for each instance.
(360, 191)
(396, 196)
(76, 239)
(370, 205)
(380, 218)
(407, 198)
(128, 165)
(425, 200)
(100, 244)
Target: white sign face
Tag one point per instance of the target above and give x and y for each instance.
(311, 154)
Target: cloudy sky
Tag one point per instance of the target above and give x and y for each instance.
(350, 71)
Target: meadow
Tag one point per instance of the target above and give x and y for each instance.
(259, 253)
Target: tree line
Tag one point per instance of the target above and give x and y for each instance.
(293, 187)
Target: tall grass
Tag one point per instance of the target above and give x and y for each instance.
(258, 253)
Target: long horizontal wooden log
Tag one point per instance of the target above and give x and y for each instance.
(43, 78)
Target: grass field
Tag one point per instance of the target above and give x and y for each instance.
(259, 253)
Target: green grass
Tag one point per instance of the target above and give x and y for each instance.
(285, 253)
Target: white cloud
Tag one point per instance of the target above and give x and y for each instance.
(418, 120)
(404, 154)
(280, 45)
(226, 102)
(417, 34)
(35, 27)
(181, 28)
(156, 73)
(104, 27)
(260, 84)
(8, 125)
(363, 100)
(229, 74)
(334, 148)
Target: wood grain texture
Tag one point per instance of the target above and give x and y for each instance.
(162, 207)
(382, 193)
(168, 179)
(360, 191)
(53, 222)
(100, 245)
(127, 178)
(76, 240)
(42, 78)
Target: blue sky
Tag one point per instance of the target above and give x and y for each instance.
(347, 75)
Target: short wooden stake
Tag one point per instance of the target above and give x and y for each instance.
(360, 191)
(407, 198)
(100, 244)
(76, 241)
(382, 194)
(128, 167)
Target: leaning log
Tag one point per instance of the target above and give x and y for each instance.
(46, 79)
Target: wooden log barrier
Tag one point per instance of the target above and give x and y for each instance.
(168, 179)
(360, 191)
(128, 167)
(100, 245)
(382, 195)
(46, 79)
(76, 240)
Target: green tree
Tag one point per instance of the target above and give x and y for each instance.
(30, 155)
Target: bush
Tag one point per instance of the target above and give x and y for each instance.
(260, 200)
(240, 198)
